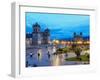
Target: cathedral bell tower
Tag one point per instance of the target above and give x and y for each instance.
(36, 27)
(46, 36)
(36, 35)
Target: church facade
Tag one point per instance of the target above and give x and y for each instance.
(78, 37)
(39, 37)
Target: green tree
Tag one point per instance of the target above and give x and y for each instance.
(78, 51)
(65, 50)
(59, 51)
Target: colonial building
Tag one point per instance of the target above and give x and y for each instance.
(78, 37)
(28, 39)
(39, 37)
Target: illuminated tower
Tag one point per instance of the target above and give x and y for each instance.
(46, 36)
(36, 36)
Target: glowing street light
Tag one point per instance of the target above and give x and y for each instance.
(56, 41)
(79, 42)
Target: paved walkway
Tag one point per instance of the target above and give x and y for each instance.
(44, 57)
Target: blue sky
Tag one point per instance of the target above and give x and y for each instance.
(61, 25)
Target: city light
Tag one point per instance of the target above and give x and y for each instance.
(56, 41)
(79, 42)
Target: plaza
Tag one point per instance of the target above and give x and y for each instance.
(44, 56)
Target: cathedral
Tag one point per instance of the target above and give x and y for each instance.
(78, 37)
(39, 37)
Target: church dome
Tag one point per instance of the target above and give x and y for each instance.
(36, 25)
(47, 30)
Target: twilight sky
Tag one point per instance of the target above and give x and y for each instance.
(61, 26)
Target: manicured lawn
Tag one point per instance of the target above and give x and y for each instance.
(82, 57)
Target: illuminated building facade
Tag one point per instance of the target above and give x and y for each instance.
(39, 37)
